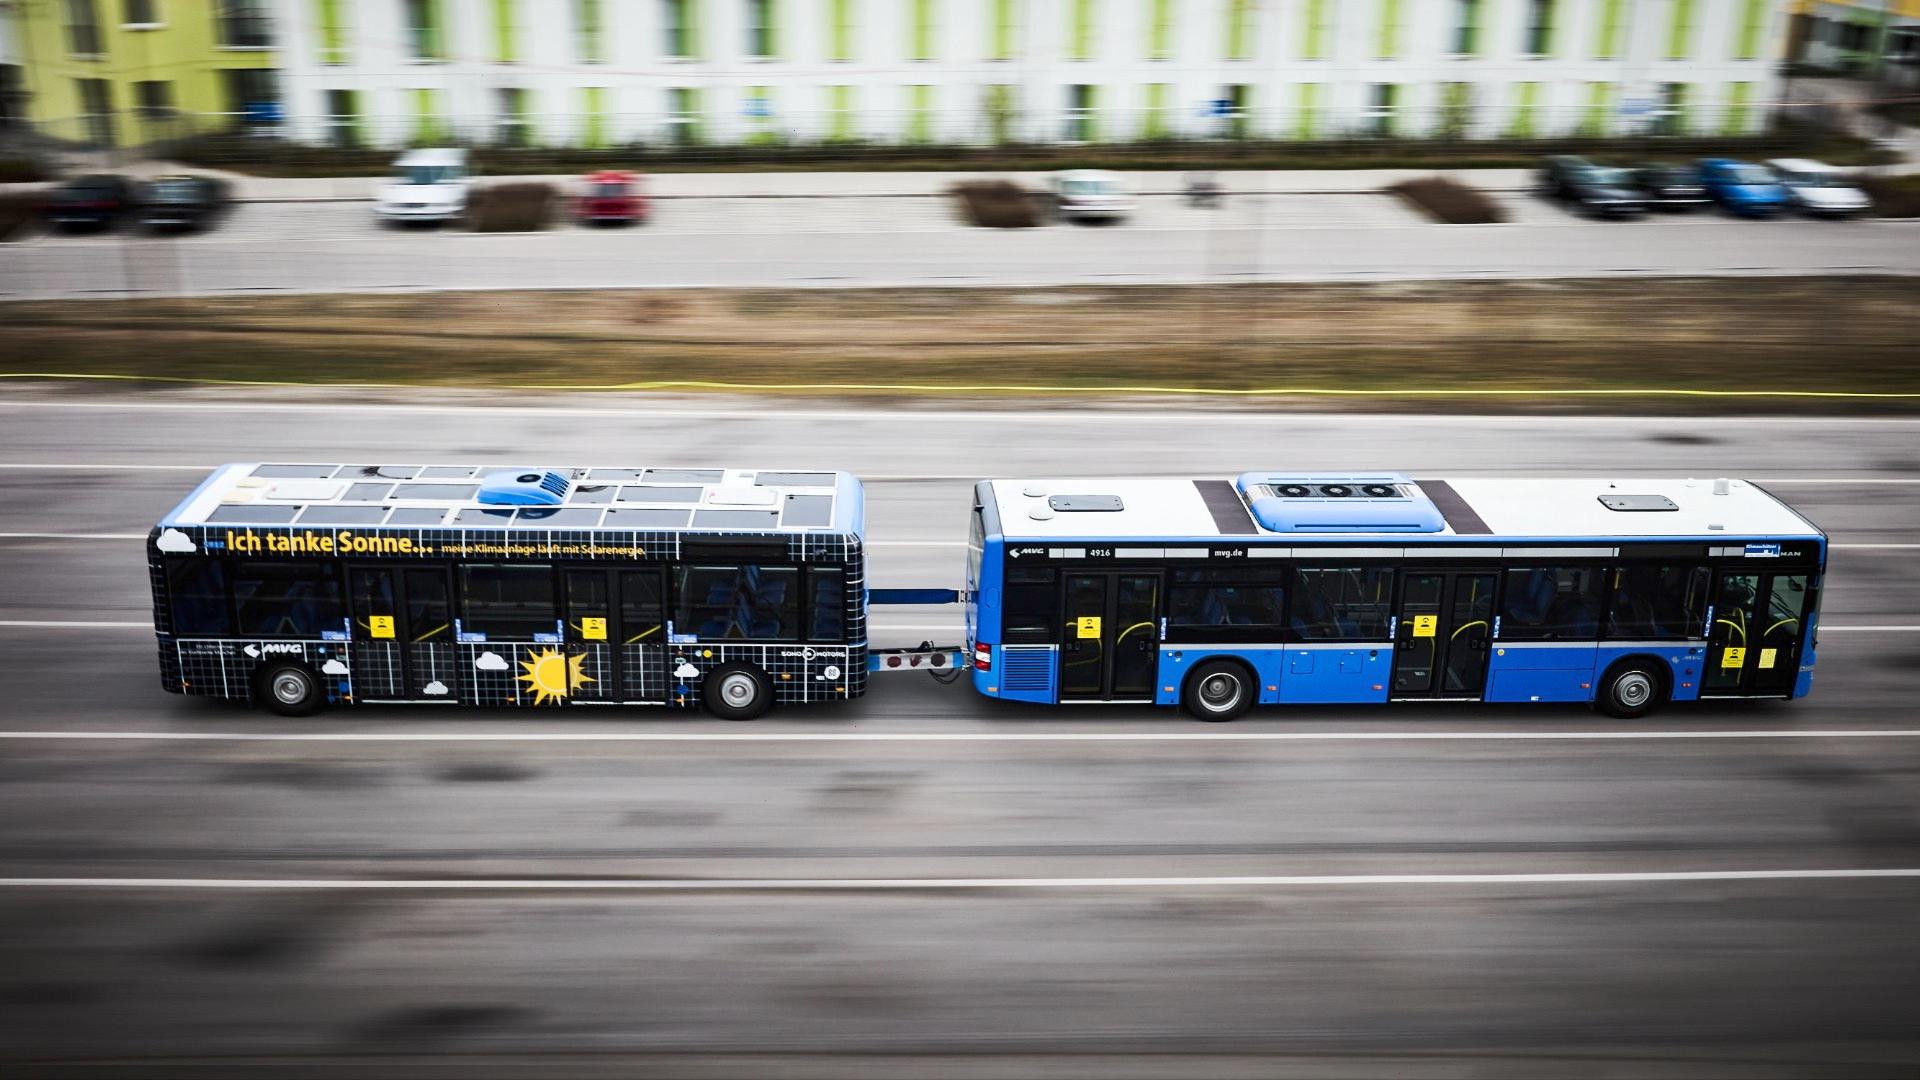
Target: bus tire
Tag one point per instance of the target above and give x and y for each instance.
(288, 689)
(1218, 691)
(738, 692)
(1632, 688)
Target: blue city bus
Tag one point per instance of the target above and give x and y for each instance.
(297, 586)
(1276, 588)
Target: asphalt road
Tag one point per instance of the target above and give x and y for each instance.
(927, 883)
(917, 241)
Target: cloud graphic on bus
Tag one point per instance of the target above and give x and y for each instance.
(436, 688)
(490, 661)
(333, 667)
(686, 671)
(175, 542)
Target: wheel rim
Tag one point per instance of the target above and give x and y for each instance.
(290, 688)
(1219, 692)
(1633, 689)
(738, 690)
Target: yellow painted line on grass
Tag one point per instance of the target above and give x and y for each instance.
(1016, 388)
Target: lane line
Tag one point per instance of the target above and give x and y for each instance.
(1617, 877)
(1048, 416)
(1205, 735)
(870, 543)
(135, 624)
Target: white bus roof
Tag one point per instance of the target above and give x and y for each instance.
(1255, 506)
(431, 157)
(620, 498)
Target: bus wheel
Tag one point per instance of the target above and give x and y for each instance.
(738, 692)
(289, 689)
(1219, 690)
(1632, 689)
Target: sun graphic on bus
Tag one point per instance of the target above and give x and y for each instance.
(550, 675)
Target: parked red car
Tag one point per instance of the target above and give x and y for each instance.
(613, 197)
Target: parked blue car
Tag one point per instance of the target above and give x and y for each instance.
(1741, 187)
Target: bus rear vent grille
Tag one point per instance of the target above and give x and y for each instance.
(1026, 670)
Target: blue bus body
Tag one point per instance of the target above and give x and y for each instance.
(1453, 614)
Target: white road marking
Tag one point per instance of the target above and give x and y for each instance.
(1617, 877)
(1131, 418)
(870, 543)
(135, 624)
(1195, 735)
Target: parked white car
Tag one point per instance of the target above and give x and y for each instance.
(1820, 189)
(1091, 194)
(428, 185)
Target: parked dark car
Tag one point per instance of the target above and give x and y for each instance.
(1670, 187)
(1595, 189)
(183, 202)
(95, 201)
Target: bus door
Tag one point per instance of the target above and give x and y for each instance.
(1445, 625)
(1753, 644)
(593, 653)
(433, 660)
(1109, 648)
(378, 654)
(402, 634)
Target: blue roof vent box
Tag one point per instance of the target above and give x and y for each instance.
(1298, 503)
(524, 487)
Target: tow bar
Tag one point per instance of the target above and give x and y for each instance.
(943, 662)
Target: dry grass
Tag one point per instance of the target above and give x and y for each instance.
(1714, 334)
(1449, 201)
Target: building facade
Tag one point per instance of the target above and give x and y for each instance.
(130, 72)
(1875, 38)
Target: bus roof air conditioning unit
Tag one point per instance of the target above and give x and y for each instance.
(524, 487)
(1339, 504)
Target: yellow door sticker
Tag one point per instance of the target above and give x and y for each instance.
(1767, 657)
(1089, 626)
(1426, 625)
(593, 629)
(380, 626)
(1733, 656)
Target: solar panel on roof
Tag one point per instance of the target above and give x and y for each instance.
(736, 519)
(437, 492)
(808, 511)
(343, 515)
(417, 515)
(546, 518)
(367, 492)
(618, 518)
(616, 476)
(248, 514)
(382, 472)
(446, 472)
(494, 518)
(643, 494)
(316, 472)
(592, 493)
(685, 476)
(793, 479)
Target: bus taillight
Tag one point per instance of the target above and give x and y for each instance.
(982, 657)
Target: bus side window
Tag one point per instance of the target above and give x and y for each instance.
(1351, 604)
(287, 599)
(826, 605)
(197, 590)
(1226, 605)
(429, 615)
(507, 602)
(642, 608)
(1552, 603)
(1654, 602)
(739, 603)
(1030, 606)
